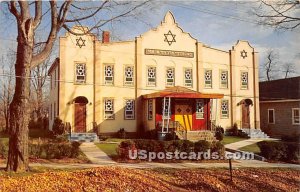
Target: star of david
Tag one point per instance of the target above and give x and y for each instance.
(170, 38)
(243, 54)
(80, 42)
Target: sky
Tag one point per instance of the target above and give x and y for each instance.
(214, 23)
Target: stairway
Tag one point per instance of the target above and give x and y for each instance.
(196, 135)
(255, 133)
(84, 137)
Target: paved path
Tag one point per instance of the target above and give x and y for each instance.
(243, 143)
(95, 155)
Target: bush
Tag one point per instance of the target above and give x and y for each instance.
(60, 139)
(125, 147)
(3, 149)
(171, 136)
(219, 133)
(151, 134)
(121, 133)
(58, 127)
(233, 131)
(219, 148)
(291, 138)
(201, 146)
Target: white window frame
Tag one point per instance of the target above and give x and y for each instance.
(76, 75)
(129, 114)
(151, 83)
(199, 114)
(244, 86)
(186, 83)
(150, 109)
(126, 82)
(208, 85)
(273, 116)
(224, 116)
(106, 80)
(293, 116)
(170, 82)
(109, 114)
(223, 83)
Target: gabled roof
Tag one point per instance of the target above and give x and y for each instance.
(53, 66)
(181, 92)
(280, 89)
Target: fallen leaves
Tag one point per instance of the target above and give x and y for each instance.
(125, 179)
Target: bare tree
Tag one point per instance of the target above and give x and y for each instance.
(282, 14)
(28, 19)
(288, 68)
(269, 67)
(6, 86)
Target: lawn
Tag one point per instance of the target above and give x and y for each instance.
(125, 179)
(231, 139)
(108, 148)
(251, 148)
(118, 140)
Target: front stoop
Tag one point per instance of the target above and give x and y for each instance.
(255, 133)
(83, 137)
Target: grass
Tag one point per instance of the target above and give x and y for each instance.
(231, 139)
(108, 148)
(251, 148)
(114, 140)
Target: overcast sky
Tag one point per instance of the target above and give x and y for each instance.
(218, 24)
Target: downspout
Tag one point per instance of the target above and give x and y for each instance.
(254, 87)
(135, 85)
(231, 100)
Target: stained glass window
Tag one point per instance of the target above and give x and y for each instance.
(150, 109)
(129, 109)
(188, 77)
(244, 80)
(151, 76)
(80, 73)
(208, 78)
(109, 74)
(129, 75)
(199, 109)
(224, 79)
(170, 77)
(109, 109)
(224, 109)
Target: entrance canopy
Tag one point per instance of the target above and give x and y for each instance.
(182, 92)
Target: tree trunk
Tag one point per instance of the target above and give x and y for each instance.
(19, 107)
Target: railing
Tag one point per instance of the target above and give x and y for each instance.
(174, 126)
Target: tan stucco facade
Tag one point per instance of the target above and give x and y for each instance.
(164, 47)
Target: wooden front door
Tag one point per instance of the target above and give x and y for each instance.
(245, 116)
(80, 117)
(183, 114)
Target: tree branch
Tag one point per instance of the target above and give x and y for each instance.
(38, 14)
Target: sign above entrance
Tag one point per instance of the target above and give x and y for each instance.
(170, 53)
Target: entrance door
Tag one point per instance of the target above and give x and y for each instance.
(245, 116)
(183, 114)
(80, 118)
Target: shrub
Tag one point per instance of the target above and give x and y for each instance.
(181, 146)
(58, 126)
(3, 149)
(201, 146)
(273, 150)
(150, 134)
(171, 136)
(121, 133)
(291, 138)
(219, 148)
(125, 147)
(60, 139)
(219, 133)
(233, 131)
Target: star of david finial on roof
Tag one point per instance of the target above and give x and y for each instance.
(243, 54)
(80, 42)
(170, 38)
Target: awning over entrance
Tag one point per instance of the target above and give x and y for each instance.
(182, 92)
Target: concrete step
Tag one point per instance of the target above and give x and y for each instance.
(255, 133)
(196, 135)
(84, 137)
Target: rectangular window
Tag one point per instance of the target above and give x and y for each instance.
(224, 79)
(129, 109)
(151, 76)
(244, 80)
(199, 109)
(224, 109)
(129, 75)
(80, 73)
(108, 74)
(296, 116)
(150, 109)
(271, 116)
(208, 78)
(188, 77)
(109, 109)
(170, 77)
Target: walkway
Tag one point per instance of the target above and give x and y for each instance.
(240, 144)
(95, 155)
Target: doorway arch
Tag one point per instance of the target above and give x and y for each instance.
(245, 108)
